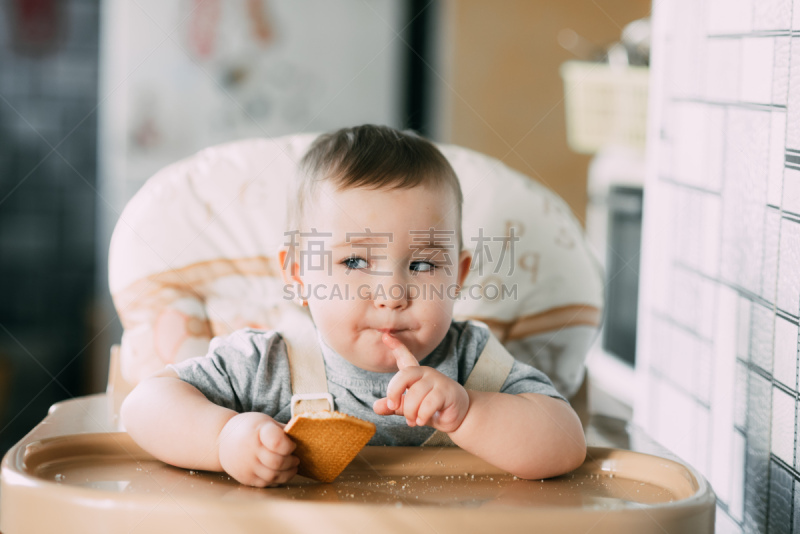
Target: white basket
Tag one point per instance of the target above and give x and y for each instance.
(605, 105)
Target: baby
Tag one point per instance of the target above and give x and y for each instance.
(377, 256)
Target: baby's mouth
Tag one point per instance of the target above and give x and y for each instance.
(390, 331)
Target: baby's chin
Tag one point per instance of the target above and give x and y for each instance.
(369, 356)
(369, 363)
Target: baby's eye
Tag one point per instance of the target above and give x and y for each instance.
(354, 262)
(422, 266)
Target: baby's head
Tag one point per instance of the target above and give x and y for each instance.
(371, 157)
(374, 242)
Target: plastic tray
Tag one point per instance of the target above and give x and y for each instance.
(103, 482)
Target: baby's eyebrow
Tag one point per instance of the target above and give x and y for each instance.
(381, 241)
(367, 239)
(428, 246)
(415, 246)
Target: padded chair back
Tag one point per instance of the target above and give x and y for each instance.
(194, 255)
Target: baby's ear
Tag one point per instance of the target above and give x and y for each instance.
(464, 262)
(289, 267)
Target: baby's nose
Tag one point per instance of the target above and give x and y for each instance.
(391, 295)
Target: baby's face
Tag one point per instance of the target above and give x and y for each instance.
(402, 279)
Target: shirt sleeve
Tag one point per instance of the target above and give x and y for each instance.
(244, 371)
(524, 378)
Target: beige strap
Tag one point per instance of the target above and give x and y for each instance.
(489, 374)
(306, 365)
(492, 368)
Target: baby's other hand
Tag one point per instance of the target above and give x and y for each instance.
(431, 398)
(255, 451)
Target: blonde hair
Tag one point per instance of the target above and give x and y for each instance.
(373, 157)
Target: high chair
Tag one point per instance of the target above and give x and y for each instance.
(194, 255)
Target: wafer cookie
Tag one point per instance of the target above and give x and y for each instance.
(327, 442)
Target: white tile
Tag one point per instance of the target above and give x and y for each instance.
(761, 336)
(665, 159)
(777, 144)
(769, 271)
(693, 302)
(657, 260)
(772, 15)
(701, 423)
(665, 13)
(667, 126)
(785, 352)
(736, 504)
(791, 191)
(724, 391)
(703, 381)
(698, 145)
(744, 313)
(649, 421)
(793, 118)
(676, 426)
(744, 196)
(740, 396)
(796, 15)
(782, 442)
(685, 353)
(711, 211)
(687, 223)
(689, 158)
(660, 345)
(705, 321)
(788, 272)
(672, 69)
(682, 295)
(686, 53)
(757, 69)
(715, 148)
(722, 80)
(729, 16)
(780, 75)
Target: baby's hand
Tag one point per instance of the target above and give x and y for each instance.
(431, 399)
(254, 450)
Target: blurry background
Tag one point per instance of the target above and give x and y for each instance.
(97, 96)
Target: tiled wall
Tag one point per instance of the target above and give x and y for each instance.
(48, 93)
(718, 348)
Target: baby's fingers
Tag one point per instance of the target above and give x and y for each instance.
(414, 398)
(380, 408)
(276, 462)
(282, 477)
(399, 384)
(400, 352)
(270, 477)
(432, 403)
(275, 439)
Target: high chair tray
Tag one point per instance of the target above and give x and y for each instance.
(72, 473)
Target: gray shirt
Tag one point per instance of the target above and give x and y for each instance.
(248, 371)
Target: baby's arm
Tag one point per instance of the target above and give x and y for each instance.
(529, 435)
(174, 422)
